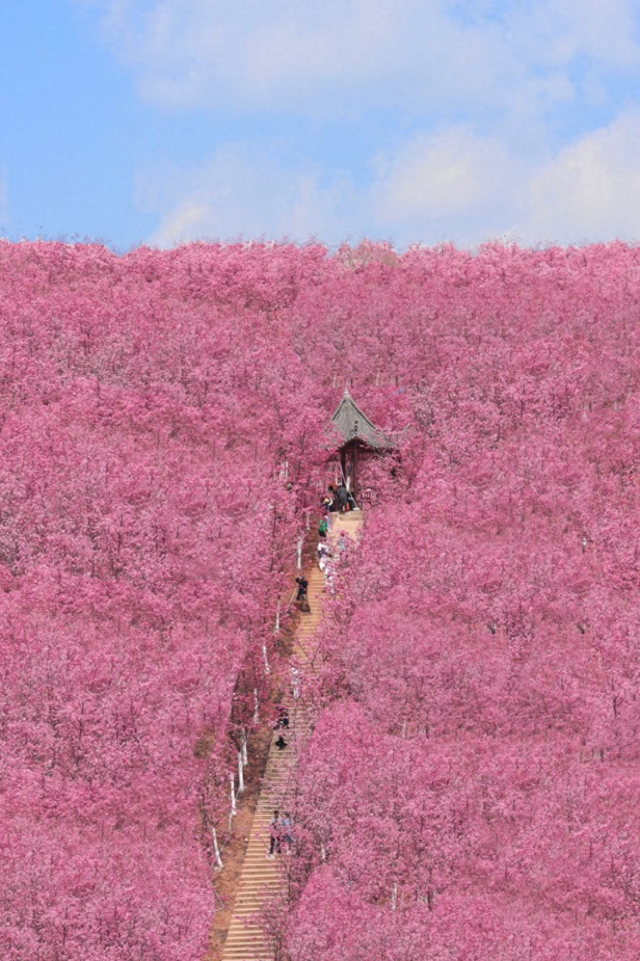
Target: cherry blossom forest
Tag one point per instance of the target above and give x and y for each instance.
(470, 787)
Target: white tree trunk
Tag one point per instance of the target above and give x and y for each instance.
(256, 706)
(216, 849)
(232, 781)
(245, 757)
(267, 669)
(240, 773)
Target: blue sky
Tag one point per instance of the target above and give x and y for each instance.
(161, 121)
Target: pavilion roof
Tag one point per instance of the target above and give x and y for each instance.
(353, 424)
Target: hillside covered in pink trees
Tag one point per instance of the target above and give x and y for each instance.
(470, 787)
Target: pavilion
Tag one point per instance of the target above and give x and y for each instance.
(361, 440)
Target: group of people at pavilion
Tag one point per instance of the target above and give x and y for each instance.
(337, 499)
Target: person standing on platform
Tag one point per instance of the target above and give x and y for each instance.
(343, 496)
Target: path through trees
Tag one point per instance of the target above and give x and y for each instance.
(262, 877)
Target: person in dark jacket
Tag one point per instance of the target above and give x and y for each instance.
(302, 598)
(282, 718)
(343, 496)
(275, 832)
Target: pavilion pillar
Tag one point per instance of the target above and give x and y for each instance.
(354, 483)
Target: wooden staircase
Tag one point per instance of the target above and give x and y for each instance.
(246, 941)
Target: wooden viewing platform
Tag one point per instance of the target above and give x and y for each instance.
(260, 877)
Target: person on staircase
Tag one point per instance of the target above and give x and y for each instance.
(282, 719)
(303, 598)
(295, 681)
(329, 577)
(275, 832)
(324, 552)
(287, 833)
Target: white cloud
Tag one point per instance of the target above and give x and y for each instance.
(590, 190)
(244, 192)
(183, 223)
(559, 31)
(453, 184)
(470, 188)
(484, 75)
(448, 174)
(342, 53)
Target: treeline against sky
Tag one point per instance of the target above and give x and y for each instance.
(468, 789)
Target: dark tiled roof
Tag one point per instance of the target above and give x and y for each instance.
(353, 424)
